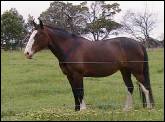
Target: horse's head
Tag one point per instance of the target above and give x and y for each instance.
(37, 41)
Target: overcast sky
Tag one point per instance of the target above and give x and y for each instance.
(35, 8)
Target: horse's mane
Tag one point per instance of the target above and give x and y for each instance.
(62, 31)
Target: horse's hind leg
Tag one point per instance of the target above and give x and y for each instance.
(126, 74)
(144, 89)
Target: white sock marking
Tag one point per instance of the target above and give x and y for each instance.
(82, 105)
(30, 43)
(146, 92)
(129, 102)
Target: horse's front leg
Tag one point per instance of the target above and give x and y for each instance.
(76, 82)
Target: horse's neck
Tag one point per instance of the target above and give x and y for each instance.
(57, 51)
(62, 47)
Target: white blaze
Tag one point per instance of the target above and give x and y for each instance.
(30, 43)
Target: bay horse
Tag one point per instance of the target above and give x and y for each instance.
(79, 57)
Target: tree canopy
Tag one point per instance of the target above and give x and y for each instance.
(81, 19)
(12, 28)
(95, 20)
(65, 15)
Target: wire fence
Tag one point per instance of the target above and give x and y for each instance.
(114, 106)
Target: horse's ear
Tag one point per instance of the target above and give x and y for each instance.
(41, 24)
(34, 24)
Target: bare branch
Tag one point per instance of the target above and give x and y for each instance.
(141, 24)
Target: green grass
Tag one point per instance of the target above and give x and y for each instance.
(37, 90)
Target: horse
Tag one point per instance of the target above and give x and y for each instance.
(79, 57)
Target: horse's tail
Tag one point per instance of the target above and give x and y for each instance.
(147, 80)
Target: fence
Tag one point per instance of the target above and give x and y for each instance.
(104, 97)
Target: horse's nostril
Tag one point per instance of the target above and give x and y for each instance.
(28, 55)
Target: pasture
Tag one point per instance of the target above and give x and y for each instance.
(37, 90)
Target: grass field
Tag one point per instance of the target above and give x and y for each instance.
(37, 90)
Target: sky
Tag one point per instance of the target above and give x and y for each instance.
(35, 8)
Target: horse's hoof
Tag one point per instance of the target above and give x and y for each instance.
(83, 108)
(150, 108)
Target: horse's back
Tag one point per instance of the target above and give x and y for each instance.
(113, 49)
(102, 51)
(131, 48)
(104, 58)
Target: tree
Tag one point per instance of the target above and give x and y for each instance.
(100, 22)
(29, 25)
(79, 19)
(139, 25)
(65, 15)
(12, 28)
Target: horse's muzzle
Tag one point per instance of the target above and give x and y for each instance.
(28, 56)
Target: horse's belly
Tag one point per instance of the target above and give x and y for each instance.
(91, 74)
(100, 70)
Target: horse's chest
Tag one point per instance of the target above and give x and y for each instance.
(70, 68)
(64, 68)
